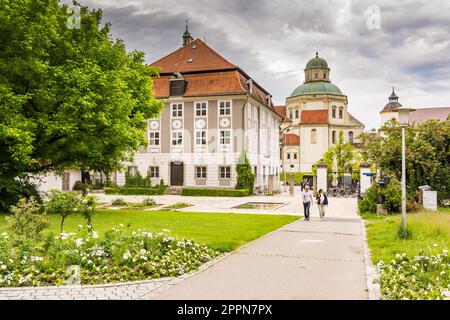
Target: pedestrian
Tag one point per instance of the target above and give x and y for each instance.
(307, 199)
(322, 201)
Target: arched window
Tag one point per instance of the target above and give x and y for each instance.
(333, 137)
(333, 112)
(324, 75)
(313, 136)
(350, 136)
(341, 113)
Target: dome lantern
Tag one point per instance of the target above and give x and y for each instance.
(317, 70)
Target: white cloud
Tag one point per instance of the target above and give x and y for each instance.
(273, 40)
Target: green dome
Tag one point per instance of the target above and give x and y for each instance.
(317, 63)
(317, 87)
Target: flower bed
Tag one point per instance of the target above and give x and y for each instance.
(421, 277)
(120, 256)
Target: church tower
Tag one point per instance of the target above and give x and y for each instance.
(187, 39)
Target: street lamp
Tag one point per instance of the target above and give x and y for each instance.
(403, 119)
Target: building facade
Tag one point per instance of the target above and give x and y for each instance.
(316, 112)
(213, 113)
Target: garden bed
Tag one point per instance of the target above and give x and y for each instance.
(418, 268)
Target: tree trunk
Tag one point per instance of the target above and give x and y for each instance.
(62, 224)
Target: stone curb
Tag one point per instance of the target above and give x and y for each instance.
(372, 274)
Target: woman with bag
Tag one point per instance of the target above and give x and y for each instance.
(322, 201)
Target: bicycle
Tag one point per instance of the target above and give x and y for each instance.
(260, 191)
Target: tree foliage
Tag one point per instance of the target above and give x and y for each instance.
(62, 203)
(427, 154)
(69, 97)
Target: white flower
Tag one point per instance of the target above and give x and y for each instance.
(435, 245)
(121, 225)
(126, 255)
(79, 242)
(143, 251)
(94, 234)
(3, 267)
(89, 262)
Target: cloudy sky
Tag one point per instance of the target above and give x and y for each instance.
(369, 45)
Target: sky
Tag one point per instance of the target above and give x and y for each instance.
(369, 45)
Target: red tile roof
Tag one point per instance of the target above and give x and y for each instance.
(291, 139)
(281, 110)
(314, 117)
(196, 56)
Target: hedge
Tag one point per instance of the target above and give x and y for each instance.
(214, 192)
(137, 191)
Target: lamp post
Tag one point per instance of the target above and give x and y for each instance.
(403, 119)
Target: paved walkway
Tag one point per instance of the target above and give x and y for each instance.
(304, 260)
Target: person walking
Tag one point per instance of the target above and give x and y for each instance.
(322, 201)
(307, 200)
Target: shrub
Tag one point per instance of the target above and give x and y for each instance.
(245, 175)
(118, 202)
(62, 203)
(148, 202)
(214, 192)
(87, 208)
(392, 196)
(13, 189)
(420, 277)
(27, 220)
(368, 204)
(80, 186)
(136, 181)
(159, 190)
(179, 205)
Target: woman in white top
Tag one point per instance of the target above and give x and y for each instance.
(307, 200)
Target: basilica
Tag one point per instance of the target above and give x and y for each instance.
(313, 117)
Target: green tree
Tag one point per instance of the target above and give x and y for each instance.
(342, 152)
(62, 203)
(246, 177)
(69, 97)
(427, 154)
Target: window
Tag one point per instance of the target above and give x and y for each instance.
(295, 156)
(177, 110)
(132, 171)
(341, 113)
(225, 172)
(200, 172)
(66, 181)
(288, 156)
(200, 138)
(225, 137)
(350, 136)
(333, 112)
(291, 115)
(154, 139)
(255, 171)
(324, 75)
(313, 136)
(224, 108)
(177, 138)
(296, 114)
(154, 172)
(200, 109)
(333, 137)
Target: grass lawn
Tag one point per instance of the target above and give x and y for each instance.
(428, 228)
(221, 231)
